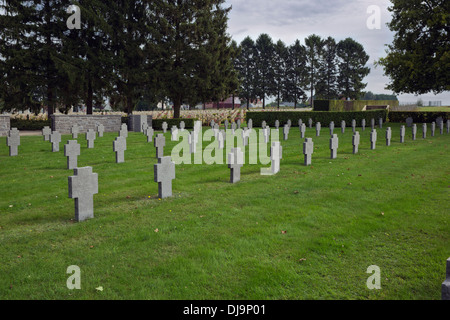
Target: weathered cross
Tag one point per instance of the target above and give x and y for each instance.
(388, 136)
(174, 136)
(160, 143)
(302, 130)
(119, 147)
(334, 145)
(310, 122)
(182, 125)
(318, 127)
(414, 131)
(402, 134)
(82, 187)
(363, 124)
(286, 131)
(433, 129)
(75, 131)
(331, 128)
(46, 132)
(90, 138)
(164, 173)
(164, 127)
(72, 151)
(100, 130)
(354, 125)
(235, 162)
(250, 123)
(277, 124)
(149, 133)
(308, 150)
(123, 131)
(343, 124)
(373, 139)
(380, 122)
(55, 139)
(13, 142)
(356, 141)
(424, 130)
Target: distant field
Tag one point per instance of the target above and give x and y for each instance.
(436, 109)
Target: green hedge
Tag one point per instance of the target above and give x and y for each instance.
(417, 116)
(317, 116)
(353, 105)
(157, 123)
(21, 124)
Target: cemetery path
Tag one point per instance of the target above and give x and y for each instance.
(31, 133)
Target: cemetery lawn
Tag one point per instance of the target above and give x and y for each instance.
(305, 233)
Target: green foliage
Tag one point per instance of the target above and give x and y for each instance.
(317, 116)
(418, 60)
(352, 105)
(22, 124)
(418, 116)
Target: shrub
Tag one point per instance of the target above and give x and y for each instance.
(417, 116)
(157, 123)
(23, 124)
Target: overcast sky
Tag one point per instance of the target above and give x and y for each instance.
(289, 20)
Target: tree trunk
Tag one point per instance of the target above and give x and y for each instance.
(90, 97)
(176, 108)
(50, 108)
(130, 105)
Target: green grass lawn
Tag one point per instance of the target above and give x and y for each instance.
(305, 233)
(434, 109)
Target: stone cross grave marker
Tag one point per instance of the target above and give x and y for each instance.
(424, 131)
(308, 150)
(123, 131)
(343, 124)
(276, 154)
(221, 139)
(233, 127)
(119, 147)
(277, 124)
(372, 123)
(160, 143)
(263, 124)
(388, 136)
(433, 129)
(250, 124)
(75, 130)
(55, 139)
(266, 132)
(289, 123)
(235, 162)
(409, 121)
(174, 136)
(46, 132)
(90, 137)
(239, 123)
(363, 124)
(100, 130)
(302, 130)
(144, 128)
(212, 123)
(402, 134)
(192, 140)
(380, 122)
(82, 187)
(286, 132)
(414, 131)
(354, 125)
(300, 122)
(331, 128)
(318, 127)
(226, 123)
(182, 125)
(356, 141)
(373, 139)
(13, 142)
(72, 151)
(164, 127)
(149, 133)
(334, 145)
(310, 122)
(446, 283)
(164, 174)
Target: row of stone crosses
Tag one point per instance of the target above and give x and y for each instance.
(84, 184)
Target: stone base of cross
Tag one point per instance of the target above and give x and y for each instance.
(235, 162)
(13, 142)
(308, 150)
(82, 187)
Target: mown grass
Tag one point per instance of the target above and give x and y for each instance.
(306, 233)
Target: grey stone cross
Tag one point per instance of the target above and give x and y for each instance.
(331, 128)
(226, 124)
(235, 162)
(72, 151)
(308, 150)
(343, 124)
(380, 122)
(164, 127)
(123, 131)
(160, 143)
(334, 145)
(277, 124)
(90, 138)
(414, 131)
(46, 132)
(55, 139)
(372, 123)
(302, 130)
(82, 187)
(354, 125)
(164, 173)
(424, 130)
(182, 125)
(388, 136)
(250, 123)
(373, 139)
(149, 133)
(13, 142)
(433, 129)
(263, 124)
(119, 147)
(300, 122)
(286, 131)
(363, 124)
(100, 130)
(310, 122)
(402, 134)
(318, 127)
(356, 141)
(75, 131)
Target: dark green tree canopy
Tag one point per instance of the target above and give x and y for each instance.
(418, 60)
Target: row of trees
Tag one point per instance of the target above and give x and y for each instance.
(124, 51)
(324, 67)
